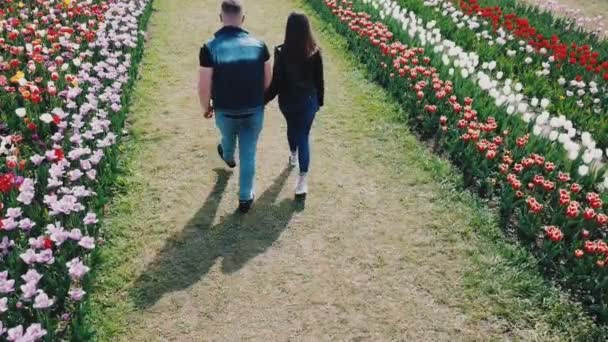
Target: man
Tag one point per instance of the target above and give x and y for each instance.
(235, 72)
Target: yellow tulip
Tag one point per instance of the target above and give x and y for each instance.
(18, 76)
(67, 2)
(21, 4)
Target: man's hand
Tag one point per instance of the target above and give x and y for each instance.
(209, 113)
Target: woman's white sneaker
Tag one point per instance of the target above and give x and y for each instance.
(302, 186)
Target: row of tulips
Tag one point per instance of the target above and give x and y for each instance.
(580, 69)
(538, 76)
(575, 98)
(576, 58)
(557, 17)
(555, 212)
(66, 68)
(507, 94)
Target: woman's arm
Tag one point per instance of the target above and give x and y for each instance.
(320, 79)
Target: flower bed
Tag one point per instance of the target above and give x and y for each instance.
(505, 92)
(555, 211)
(66, 72)
(581, 101)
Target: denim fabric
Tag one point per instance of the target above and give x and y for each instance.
(238, 70)
(247, 131)
(300, 111)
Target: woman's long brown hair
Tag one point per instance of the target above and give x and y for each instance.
(299, 43)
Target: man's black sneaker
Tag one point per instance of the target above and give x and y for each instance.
(245, 206)
(220, 151)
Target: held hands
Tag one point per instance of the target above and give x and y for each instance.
(209, 113)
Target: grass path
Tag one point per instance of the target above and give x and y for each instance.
(385, 249)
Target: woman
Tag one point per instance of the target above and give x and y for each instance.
(298, 81)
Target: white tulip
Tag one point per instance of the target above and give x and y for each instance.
(46, 118)
(587, 157)
(553, 135)
(501, 100)
(534, 102)
(544, 103)
(586, 138)
(519, 87)
(522, 107)
(598, 154)
(583, 170)
(542, 119)
(21, 112)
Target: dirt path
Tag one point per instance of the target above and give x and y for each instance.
(376, 255)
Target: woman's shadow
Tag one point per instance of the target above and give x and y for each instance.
(189, 255)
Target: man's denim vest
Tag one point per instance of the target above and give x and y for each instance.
(238, 71)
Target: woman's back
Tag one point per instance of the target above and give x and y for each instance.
(300, 76)
(296, 77)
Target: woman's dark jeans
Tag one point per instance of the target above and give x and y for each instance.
(300, 111)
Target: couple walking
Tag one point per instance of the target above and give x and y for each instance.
(236, 81)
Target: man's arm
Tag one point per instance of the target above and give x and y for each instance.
(205, 76)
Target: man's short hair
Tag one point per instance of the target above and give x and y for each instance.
(232, 7)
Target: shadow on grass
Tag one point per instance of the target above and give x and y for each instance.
(189, 255)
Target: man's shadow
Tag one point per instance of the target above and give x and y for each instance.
(189, 255)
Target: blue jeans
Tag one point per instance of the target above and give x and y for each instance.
(300, 113)
(247, 131)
